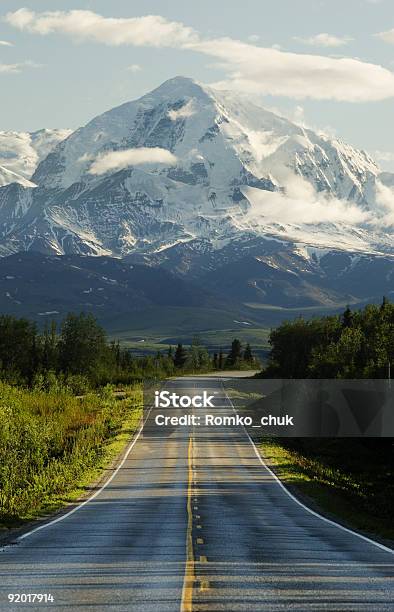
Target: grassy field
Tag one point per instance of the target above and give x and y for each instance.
(357, 490)
(53, 445)
(169, 321)
(215, 330)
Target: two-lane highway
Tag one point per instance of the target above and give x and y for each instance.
(193, 520)
(256, 548)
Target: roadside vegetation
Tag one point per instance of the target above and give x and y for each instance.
(349, 480)
(53, 442)
(352, 478)
(77, 355)
(70, 400)
(356, 344)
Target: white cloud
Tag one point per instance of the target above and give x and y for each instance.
(150, 30)
(16, 68)
(387, 36)
(385, 160)
(248, 67)
(187, 110)
(117, 160)
(384, 199)
(10, 68)
(134, 68)
(299, 116)
(5, 43)
(301, 204)
(386, 156)
(269, 71)
(86, 157)
(324, 40)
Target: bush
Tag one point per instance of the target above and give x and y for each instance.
(49, 438)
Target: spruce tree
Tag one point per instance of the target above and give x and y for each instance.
(384, 304)
(347, 319)
(248, 355)
(235, 355)
(180, 356)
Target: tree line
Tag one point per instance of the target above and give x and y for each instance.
(355, 344)
(238, 357)
(77, 354)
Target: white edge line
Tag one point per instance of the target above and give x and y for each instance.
(81, 505)
(297, 501)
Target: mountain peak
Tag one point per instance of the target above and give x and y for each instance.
(186, 163)
(179, 86)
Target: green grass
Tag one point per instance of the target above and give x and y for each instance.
(169, 321)
(215, 329)
(340, 493)
(53, 446)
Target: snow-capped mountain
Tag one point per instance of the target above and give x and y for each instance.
(21, 152)
(188, 165)
(7, 177)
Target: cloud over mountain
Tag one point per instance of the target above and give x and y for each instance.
(324, 40)
(117, 160)
(248, 67)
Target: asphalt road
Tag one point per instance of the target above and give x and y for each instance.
(193, 520)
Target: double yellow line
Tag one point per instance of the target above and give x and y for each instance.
(188, 582)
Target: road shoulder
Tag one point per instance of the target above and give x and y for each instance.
(93, 481)
(318, 497)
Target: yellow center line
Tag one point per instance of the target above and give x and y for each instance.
(188, 581)
(204, 582)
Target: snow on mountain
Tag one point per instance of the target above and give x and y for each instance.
(7, 177)
(235, 171)
(21, 152)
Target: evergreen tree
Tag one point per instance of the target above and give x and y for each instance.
(50, 347)
(347, 318)
(18, 346)
(198, 356)
(357, 344)
(248, 355)
(384, 305)
(221, 360)
(83, 346)
(116, 352)
(215, 361)
(180, 356)
(235, 355)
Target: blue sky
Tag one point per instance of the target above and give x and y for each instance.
(60, 70)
